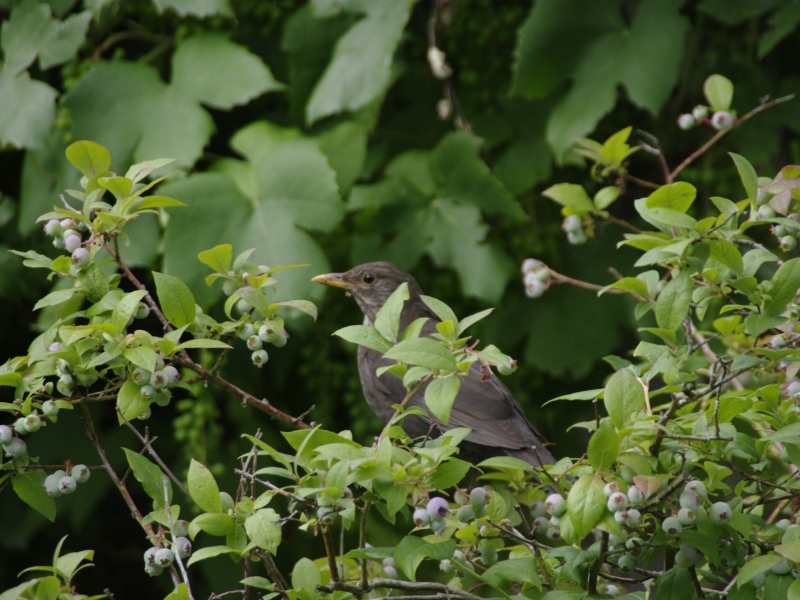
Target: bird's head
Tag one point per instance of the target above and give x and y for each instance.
(370, 284)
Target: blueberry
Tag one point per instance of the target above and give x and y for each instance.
(164, 557)
(153, 570)
(765, 212)
(610, 488)
(67, 224)
(686, 121)
(783, 524)
(633, 517)
(477, 497)
(555, 505)
(141, 376)
(700, 112)
(672, 526)
(247, 331)
(691, 553)
(227, 501)
(465, 514)
(538, 509)
(721, 512)
(159, 380)
(259, 357)
(146, 414)
(20, 426)
(635, 495)
(759, 580)
(788, 242)
(162, 398)
(81, 258)
(183, 547)
(230, 287)
(6, 433)
(142, 311)
(721, 120)
(81, 473)
(181, 527)
(67, 484)
(280, 341)
(682, 561)
(148, 392)
(254, 342)
(243, 306)
(782, 568)
(437, 507)
(269, 331)
(15, 447)
(626, 563)
(635, 547)
(531, 264)
(447, 567)
(617, 502)
(173, 376)
(438, 524)
(698, 487)
(534, 288)
(689, 499)
(610, 590)
(541, 524)
(390, 572)
(571, 224)
(52, 227)
(687, 516)
(66, 379)
(51, 485)
(388, 562)
(576, 238)
(488, 555)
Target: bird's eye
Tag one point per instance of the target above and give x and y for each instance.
(368, 278)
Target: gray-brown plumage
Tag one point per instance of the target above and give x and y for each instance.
(499, 427)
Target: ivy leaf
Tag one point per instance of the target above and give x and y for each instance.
(361, 67)
(586, 503)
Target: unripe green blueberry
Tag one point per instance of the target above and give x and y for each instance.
(682, 561)
(765, 212)
(534, 287)
(165, 557)
(686, 121)
(635, 547)
(67, 484)
(779, 230)
(610, 590)
(67, 224)
(230, 286)
(696, 487)
(465, 514)
(687, 516)
(183, 547)
(72, 242)
(150, 556)
(700, 112)
(388, 562)
(727, 560)
(269, 331)
(555, 505)
(438, 524)
(58, 243)
(626, 563)
(181, 527)
(437, 507)
(390, 572)
(615, 540)
(162, 398)
(173, 375)
(159, 380)
(247, 332)
(6, 433)
(141, 376)
(617, 502)
(15, 447)
(227, 501)
(627, 474)
(531, 264)
(538, 510)
(721, 120)
(33, 422)
(783, 524)
(488, 555)
(146, 414)
(280, 341)
(555, 522)
(254, 342)
(81, 473)
(51, 485)
(610, 488)
(576, 238)
(505, 369)
(446, 567)
(20, 426)
(759, 580)
(692, 554)
(572, 223)
(540, 524)
(421, 517)
(477, 497)
(81, 258)
(635, 495)
(788, 242)
(53, 227)
(689, 500)
(148, 392)
(259, 357)
(243, 306)
(721, 512)
(672, 526)
(142, 311)
(153, 570)
(631, 517)
(782, 568)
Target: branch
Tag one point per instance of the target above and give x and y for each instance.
(396, 584)
(184, 574)
(559, 278)
(722, 133)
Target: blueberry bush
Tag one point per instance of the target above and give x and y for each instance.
(169, 397)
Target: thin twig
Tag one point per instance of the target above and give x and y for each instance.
(556, 277)
(184, 574)
(396, 584)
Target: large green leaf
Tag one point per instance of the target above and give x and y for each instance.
(28, 110)
(151, 477)
(623, 397)
(29, 486)
(586, 503)
(411, 551)
(361, 67)
(673, 302)
(203, 488)
(785, 284)
(264, 529)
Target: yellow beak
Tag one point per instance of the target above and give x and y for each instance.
(333, 280)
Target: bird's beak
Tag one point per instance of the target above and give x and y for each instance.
(333, 280)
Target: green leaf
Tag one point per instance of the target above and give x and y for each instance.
(306, 576)
(202, 343)
(505, 462)
(150, 202)
(387, 320)
(440, 395)
(718, 91)
(141, 356)
(703, 542)
(757, 324)
(143, 169)
(440, 309)
(757, 565)
(203, 488)
(572, 195)
(150, 476)
(675, 196)
(125, 309)
(726, 253)
(675, 584)
(302, 305)
(210, 68)
(606, 196)
(179, 593)
(472, 319)
(10, 379)
(210, 552)
(256, 298)
(264, 529)
(586, 503)
(89, 158)
(628, 284)
(623, 397)
(449, 473)
(364, 336)
(30, 488)
(411, 551)
(175, 298)
(785, 284)
(218, 258)
(794, 591)
(130, 401)
(28, 110)
(673, 302)
(518, 570)
(55, 298)
(360, 68)
(423, 352)
(318, 437)
(215, 524)
(747, 174)
(603, 447)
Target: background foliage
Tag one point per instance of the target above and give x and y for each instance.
(312, 131)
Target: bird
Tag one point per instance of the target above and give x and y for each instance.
(484, 404)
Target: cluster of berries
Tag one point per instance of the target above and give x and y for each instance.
(787, 236)
(154, 386)
(67, 375)
(158, 559)
(259, 333)
(573, 226)
(535, 277)
(721, 119)
(60, 482)
(67, 236)
(15, 446)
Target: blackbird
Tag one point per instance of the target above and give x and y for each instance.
(499, 427)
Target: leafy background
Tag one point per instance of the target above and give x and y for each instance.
(309, 130)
